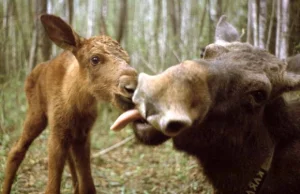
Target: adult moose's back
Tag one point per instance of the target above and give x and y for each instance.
(228, 111)
(62, 93)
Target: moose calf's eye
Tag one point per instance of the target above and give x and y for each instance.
(95, 60)
(259, 96)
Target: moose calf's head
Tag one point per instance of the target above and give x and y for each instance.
(103, 64)
(233, 83)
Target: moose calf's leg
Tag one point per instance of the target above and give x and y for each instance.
(58, 145)
(34, 124)
(81, 156)
(73, 172)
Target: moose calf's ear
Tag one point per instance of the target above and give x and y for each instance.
(60, 32)
(225, 32)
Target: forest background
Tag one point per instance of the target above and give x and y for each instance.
(156, 34)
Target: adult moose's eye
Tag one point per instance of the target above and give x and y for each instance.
(259, 96)
(95, 60)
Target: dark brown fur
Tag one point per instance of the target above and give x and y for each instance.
(294, 63)
(236, 95)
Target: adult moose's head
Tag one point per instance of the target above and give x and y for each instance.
(228, 111)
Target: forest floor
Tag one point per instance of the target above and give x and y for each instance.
(131, 168)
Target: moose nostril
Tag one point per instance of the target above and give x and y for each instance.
(176, 126)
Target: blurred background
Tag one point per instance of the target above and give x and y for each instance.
(156, 34)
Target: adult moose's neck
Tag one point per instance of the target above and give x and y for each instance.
(228, 153)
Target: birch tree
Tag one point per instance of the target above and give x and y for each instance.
(282, 29)
(122, 20)
(294, 30)
(41, 45)
(262, 23)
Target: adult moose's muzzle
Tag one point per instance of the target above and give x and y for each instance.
(169, 102)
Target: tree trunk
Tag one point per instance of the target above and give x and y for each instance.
(219, 10)
(282, 29)
(215, 12)
(6, 35)
(203, 18)
(90, 17)
(2, 66)
(262, 23)
(70, 11)
(250, 24)
(33, 51)
(210, 23)
(24, 48)
(103, 14)
(271, 27)
(255, 21)
(157, 28)
(122, 20)
(41, 44)
(172, 14)
(294, 40)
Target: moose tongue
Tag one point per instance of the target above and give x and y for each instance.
(125, 118)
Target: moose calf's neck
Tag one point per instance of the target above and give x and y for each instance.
(74, 86)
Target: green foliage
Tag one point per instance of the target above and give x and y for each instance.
(13, 104)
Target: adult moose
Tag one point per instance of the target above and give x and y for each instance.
(228, 112)
(63, 93)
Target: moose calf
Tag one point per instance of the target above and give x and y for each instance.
(63, 93)
(228, 111)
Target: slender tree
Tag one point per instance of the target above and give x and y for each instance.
(262, 23)
(250, 24)
(122, 20)
(271, 27)
(70, 11)
(103, 15)
(294, 39)
(40, 45)
(282, 29)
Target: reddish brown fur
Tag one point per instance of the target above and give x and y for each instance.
(63, 93)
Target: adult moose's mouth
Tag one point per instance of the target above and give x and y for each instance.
(129, 116)
(168, 102)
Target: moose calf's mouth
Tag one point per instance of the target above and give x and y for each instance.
(123, 102)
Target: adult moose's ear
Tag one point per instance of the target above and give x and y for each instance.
(291, 82)
(60, 32)
(225, 32)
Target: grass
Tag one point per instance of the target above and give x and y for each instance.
(129, 169)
